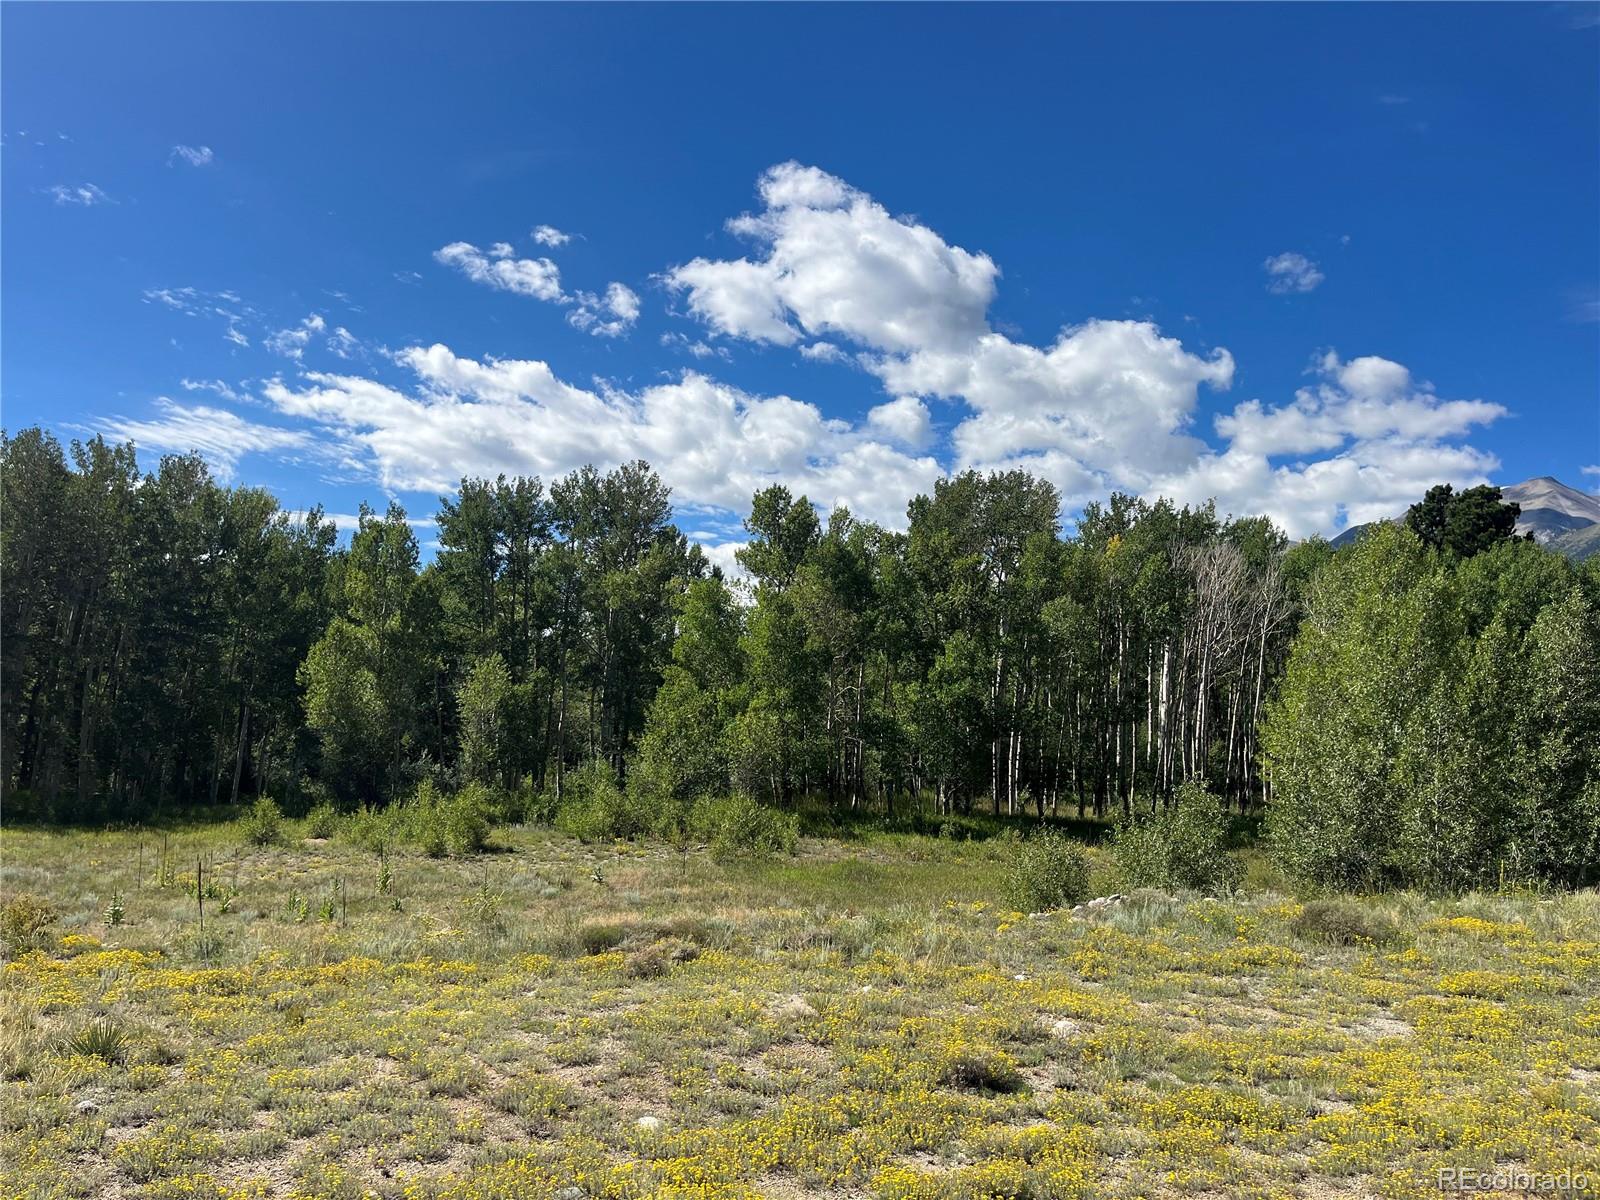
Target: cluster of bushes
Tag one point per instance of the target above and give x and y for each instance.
(432, 821)
(595, 809)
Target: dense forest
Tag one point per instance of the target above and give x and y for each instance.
(1424, 704)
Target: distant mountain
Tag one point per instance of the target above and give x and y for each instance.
(1558, 516)
(1550, 508)
(1355, 533)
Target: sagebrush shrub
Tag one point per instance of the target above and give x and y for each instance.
(24, 922)
(1345, 923)
(984, 1071)
(1047, 871)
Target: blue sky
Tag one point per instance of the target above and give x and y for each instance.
(1306, 259)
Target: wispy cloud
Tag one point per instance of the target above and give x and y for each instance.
(217, 435)
(611, 315)
(85, 195)
(549, 235)
(195, 156)
(217, 386)
(292, 342)
(1290, 273)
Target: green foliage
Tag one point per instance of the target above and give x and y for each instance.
(483, 704)
(1141, 852)
(1186, 846)
(467, 818)
(322, 821)
(1464, 524)
(263, 824)
(376, 829)
(115, 911)
(1048, 871)
(595, 809)
(25, 921)
(739, 825)
(456, 824)
(596, 937)
(1438, 723)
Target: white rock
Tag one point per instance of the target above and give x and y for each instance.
(648, 1124)
(87, 1107)
(1064, 1028)
(571, 1193)
(1020, 978)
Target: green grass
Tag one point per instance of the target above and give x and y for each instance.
(863, 1019)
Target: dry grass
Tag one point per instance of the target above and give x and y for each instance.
(860, 1020)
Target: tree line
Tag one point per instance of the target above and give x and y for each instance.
(170, 641)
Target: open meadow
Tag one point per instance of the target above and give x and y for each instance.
(554, 1019)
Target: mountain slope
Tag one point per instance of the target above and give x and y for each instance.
(1579, 544)
(1550, 508)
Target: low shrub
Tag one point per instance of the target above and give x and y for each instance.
(375, 829)
(1345, 923)
(263, 824)
(1047, 871)
(595, 809)
(532, 805)
(440, 825)
(596, 937)
(467, 818)
(322, 821)
(740, 826)
(1139, 851)
(989, 1072)
(658, 958)
(1184, 847)
(24, 924)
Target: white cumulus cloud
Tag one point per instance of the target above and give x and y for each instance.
(713, 443)
(500, 268)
